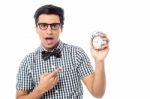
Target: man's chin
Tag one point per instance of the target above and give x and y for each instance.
(49, 46)
(52, 46)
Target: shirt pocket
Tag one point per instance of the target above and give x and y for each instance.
(68, 72)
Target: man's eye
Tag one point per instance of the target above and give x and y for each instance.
(43, 25)
(55, 25)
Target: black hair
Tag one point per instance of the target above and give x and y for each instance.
(50, 9)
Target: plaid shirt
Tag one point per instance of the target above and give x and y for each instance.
(74, 63)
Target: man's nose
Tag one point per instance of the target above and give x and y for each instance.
(49, 30)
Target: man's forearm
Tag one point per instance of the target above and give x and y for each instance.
(35, 94)
(99, 80)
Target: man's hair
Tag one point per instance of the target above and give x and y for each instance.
(50, 9)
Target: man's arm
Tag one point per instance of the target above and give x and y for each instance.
(96, 82)
(35, 94)
(47, 82)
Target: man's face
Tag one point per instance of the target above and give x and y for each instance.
(48, 29)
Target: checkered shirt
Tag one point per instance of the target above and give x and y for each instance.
(75, 65)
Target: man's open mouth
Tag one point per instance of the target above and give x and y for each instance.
(49, 40)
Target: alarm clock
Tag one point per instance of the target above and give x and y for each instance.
(96, 40)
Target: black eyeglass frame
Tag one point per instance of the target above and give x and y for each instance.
(53, 26)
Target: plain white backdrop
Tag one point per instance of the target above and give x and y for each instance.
(126, 23)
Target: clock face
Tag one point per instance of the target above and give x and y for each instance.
(97, 42)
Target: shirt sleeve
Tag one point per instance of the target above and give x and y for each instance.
(83, 62)
(24, 79)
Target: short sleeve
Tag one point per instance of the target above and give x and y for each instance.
(24, 78)
(83, 62)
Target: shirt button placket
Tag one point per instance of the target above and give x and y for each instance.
(53, 67)
(56, 91)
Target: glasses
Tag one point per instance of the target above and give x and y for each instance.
(53, 26)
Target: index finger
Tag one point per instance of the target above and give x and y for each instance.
(54, 73)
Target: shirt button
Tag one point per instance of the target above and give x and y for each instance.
(56, 91)
(53, 66)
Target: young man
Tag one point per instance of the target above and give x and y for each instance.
(55, 69)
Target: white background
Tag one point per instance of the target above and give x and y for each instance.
(126, 22)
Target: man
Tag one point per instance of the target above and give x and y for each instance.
(55, 69)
